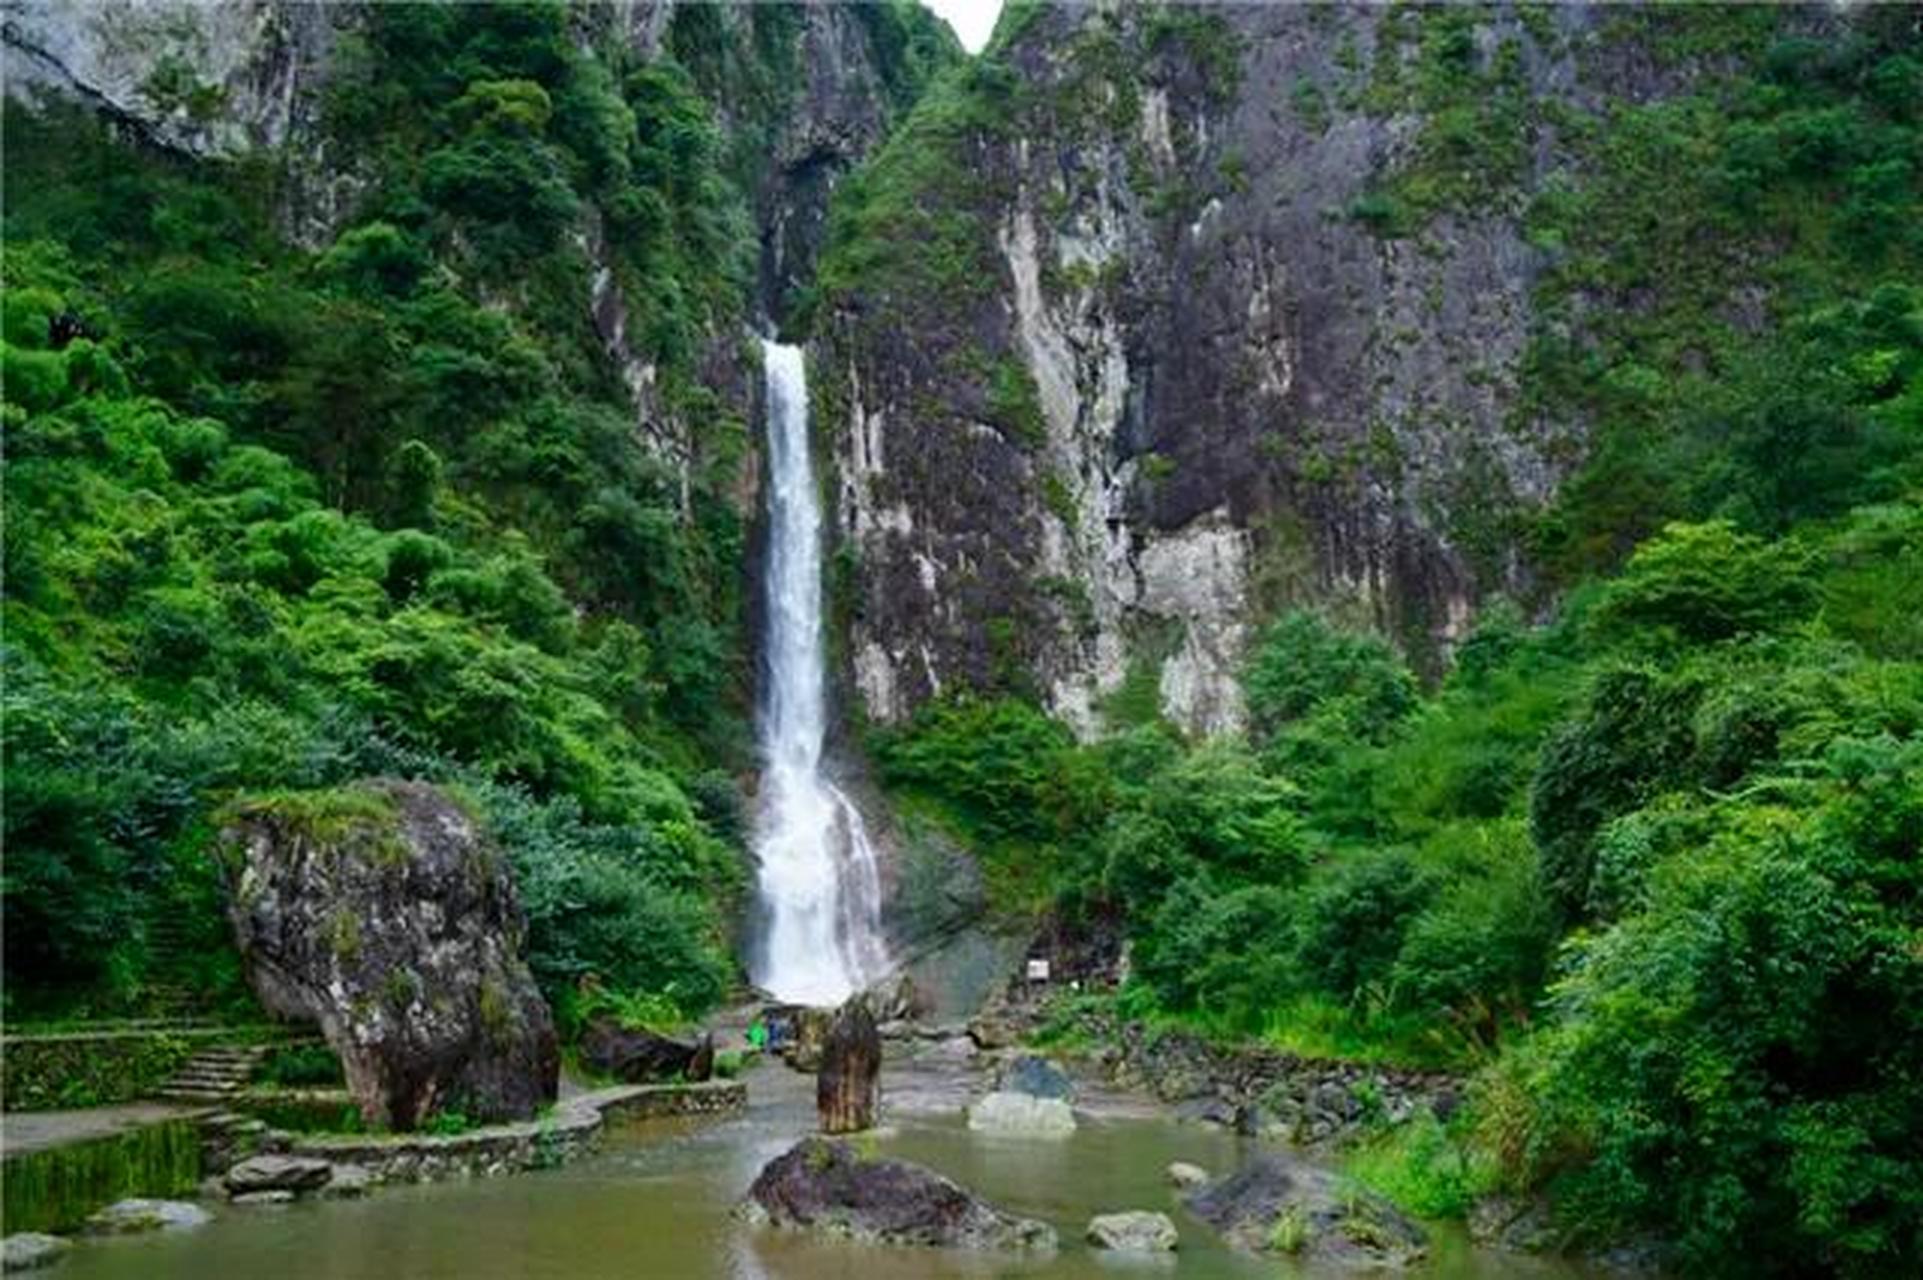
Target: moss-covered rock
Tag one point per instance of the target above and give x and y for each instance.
(382, 912)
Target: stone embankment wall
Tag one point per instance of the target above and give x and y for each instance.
(1305, 1101)
(574, 1129)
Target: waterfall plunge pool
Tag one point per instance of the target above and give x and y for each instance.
(656, 1204)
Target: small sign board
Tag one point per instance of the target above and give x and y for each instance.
(1038, 971)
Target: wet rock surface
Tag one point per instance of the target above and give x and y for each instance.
(382, 913)
(1036, 1077)
(1516, 1224)
(1021, 1114)
(277, 1173)
(125, 1217)
(1136, 1231)
(1187, 1176)
(1279, 1204)
(825, 1186)
(30, 1250)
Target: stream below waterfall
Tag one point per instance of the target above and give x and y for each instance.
(655, 1204)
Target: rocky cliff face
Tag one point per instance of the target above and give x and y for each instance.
(806, 92)
(803, 91)
(1225, 308)
(209, 79)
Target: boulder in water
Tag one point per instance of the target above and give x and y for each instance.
(27, 1250)
(1187, 1176)
(1281, 1205)
(277, 1173)
(381, 912)
(848, 1085)
(1134, 1232)
(1022, 1113)
(124, 1217)
(636, 1055)
(1037, 1077)
(825, 1186)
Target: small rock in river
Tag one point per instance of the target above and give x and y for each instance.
(1037, 1077)
(1187, 1176)
(349, 1181)
(147, 1215)
(1021, 1114)
(1133, 1232)
(25, 1250)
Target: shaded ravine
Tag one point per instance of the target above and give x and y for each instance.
(820, 890)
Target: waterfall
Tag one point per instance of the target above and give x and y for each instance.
(820, 889)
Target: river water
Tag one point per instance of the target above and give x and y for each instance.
(656, 1202)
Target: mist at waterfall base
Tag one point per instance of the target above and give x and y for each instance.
(820, 891)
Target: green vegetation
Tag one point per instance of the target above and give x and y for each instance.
(1642, 864)
(55, 1189)
(282, 518)
(300, 1066)
(1649, 870)
(54, 1071)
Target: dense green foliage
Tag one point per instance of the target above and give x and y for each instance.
(1651, 866)
(59, 1071)
(279, 518)
(1647, 860)
(1706, 783)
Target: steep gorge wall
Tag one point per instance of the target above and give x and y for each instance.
(803, 92)
(1218, 309)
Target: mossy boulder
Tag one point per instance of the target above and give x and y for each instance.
(826, 1186)
(1278, 1204)
(382, 912)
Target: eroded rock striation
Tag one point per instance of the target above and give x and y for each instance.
(848, 1085)
(825, 1186)
(382, 912)
(1165, 319)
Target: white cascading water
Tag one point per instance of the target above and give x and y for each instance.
(820, 889)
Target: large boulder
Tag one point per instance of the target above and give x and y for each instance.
(381, 912)
(1022, 1113)
(636, 1055)
(277, 1173)
(895, 999)
(825, 1186)
(1282, 1205)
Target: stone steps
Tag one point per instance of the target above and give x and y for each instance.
(213, 1074)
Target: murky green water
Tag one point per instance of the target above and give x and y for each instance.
(656, 1202)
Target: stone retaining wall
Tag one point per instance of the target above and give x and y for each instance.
(573, 1130)
(1305, 1101)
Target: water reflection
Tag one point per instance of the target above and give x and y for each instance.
(657, 1204)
